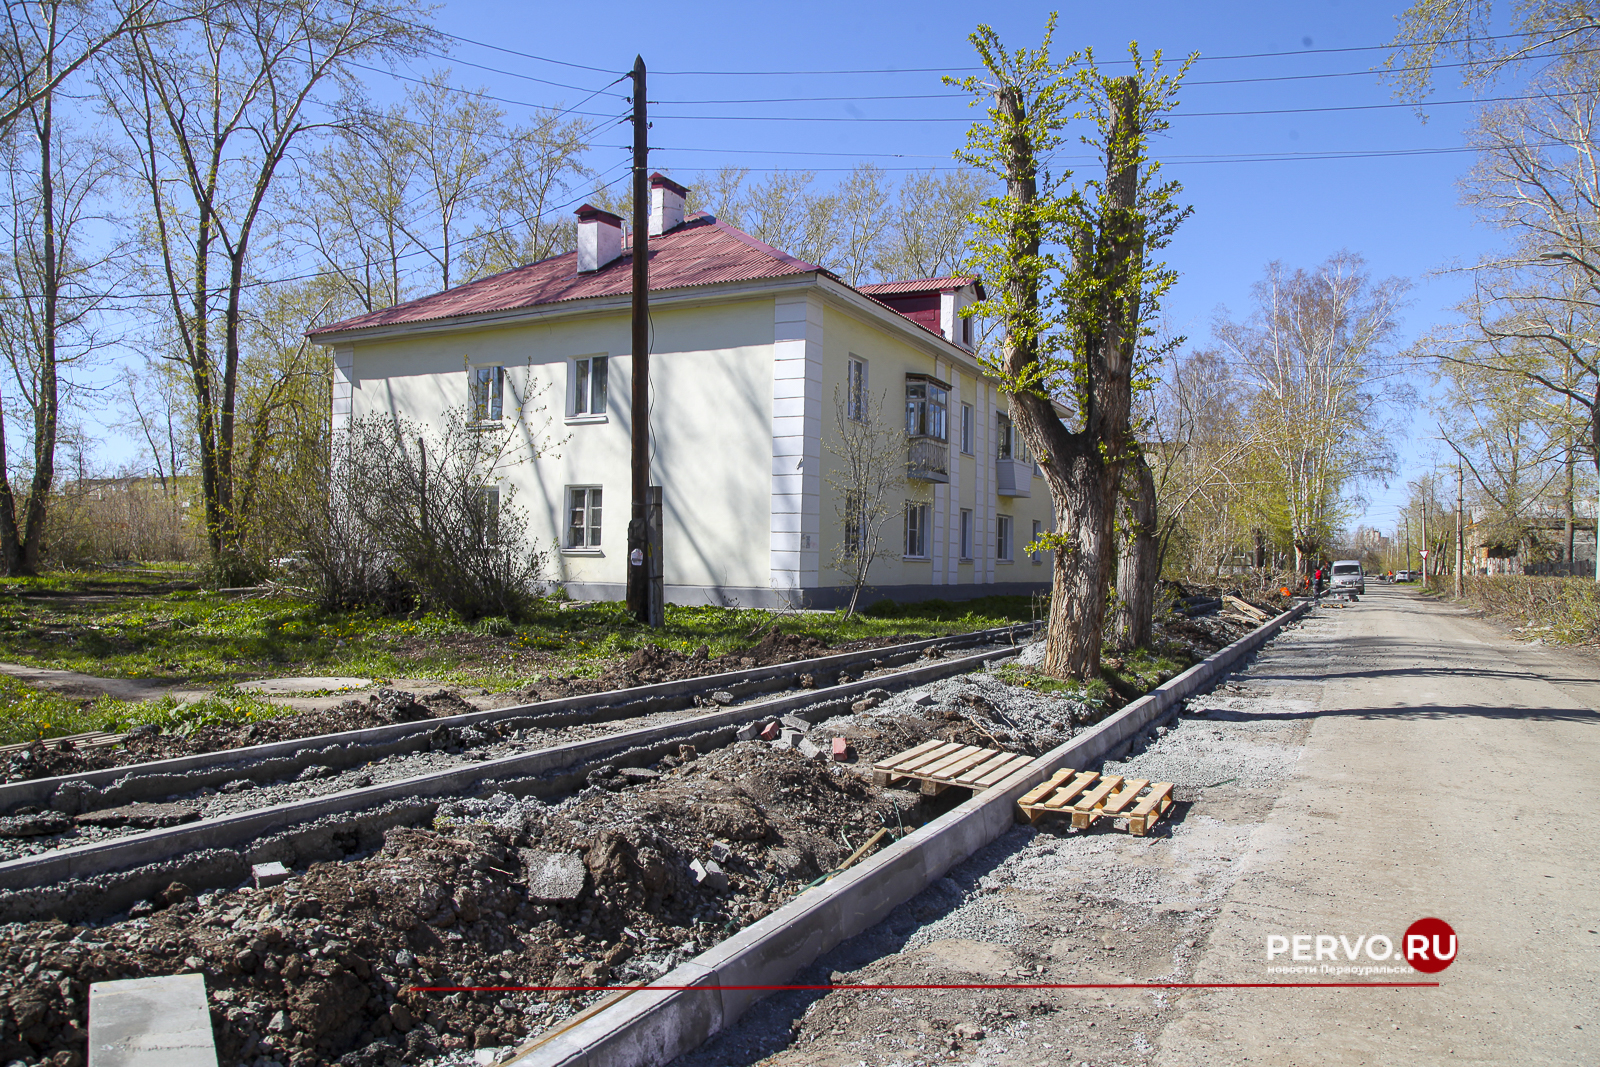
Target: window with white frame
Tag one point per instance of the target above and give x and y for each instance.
(487, 386)
(916, 530)
(926, 404)
(966, 533)
(855, 390)
(1005, 435)
(1002, 539)
(489, 515)
(966, 429)
(583, 516)
(1038, 528)
(589, 385)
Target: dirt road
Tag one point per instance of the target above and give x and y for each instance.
(1381, 763)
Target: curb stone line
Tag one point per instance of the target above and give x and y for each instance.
(656, 1027)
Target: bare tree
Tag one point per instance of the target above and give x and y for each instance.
(863, 221)
(931, 224)
(1315, 355)
(55, 184)
(867, 481)
(212, 110)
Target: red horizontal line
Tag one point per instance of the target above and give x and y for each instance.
(959, 985)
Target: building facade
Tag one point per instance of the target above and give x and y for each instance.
(755, 355)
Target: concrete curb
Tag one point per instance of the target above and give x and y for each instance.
(228, 831)
(654, 1027)
(351, 747)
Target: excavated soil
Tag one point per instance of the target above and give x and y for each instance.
(325, 967)
(45, 759)
(646, 666)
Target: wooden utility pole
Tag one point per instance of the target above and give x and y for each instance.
(644, 563)
(1461, 540)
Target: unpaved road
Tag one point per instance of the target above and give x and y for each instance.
(1378, 764)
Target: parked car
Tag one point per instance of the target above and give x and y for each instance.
(1347, 577)
(1405, 576)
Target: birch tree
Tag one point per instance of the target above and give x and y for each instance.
(1315, 354)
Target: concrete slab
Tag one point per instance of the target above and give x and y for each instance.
(151, 1022)
(314, 684)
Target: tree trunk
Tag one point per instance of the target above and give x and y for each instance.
(1137, 561)
(48, 400)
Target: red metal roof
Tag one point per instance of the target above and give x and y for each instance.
(702, 251)
(917, 285)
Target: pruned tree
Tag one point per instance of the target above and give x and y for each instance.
(1138, 556)
(1075, 287)
(867, 480)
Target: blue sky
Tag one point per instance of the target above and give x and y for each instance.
(1401, 212)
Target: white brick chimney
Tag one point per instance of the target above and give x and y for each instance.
(599, 238)
(666, 204)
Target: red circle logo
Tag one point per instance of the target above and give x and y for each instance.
(1430, 945)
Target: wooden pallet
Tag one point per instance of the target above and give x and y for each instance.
(938, 765)
(94, 739)
(1089, 795)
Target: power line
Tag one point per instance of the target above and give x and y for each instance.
(1177, 114)
(1202, 59)
(524, 77)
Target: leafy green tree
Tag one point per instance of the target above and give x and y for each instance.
(1073, 283)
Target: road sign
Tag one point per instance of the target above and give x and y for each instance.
(1424, 553)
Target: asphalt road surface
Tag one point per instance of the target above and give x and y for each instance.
(1378, 764)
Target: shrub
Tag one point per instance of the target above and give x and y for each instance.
(1568, 607)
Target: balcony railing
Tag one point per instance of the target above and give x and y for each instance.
(1013, 477)
(928, 459)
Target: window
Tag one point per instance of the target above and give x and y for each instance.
(583, 517)
(488, 387)
(966, 428)
(589, 385)
(1002, 539)
(917, 530)
(855, 524)
(855, 391)
(1008, 441)
(966, 533)
(489, 515)
(926, 400)
(966, 332)
(1038, 528)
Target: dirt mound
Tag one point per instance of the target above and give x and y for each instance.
(652, 663)
(324, 967)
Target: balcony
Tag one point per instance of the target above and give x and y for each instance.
(1013, 477)
(928, 459)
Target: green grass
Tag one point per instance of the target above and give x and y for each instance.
(202, 639)
(28, 714)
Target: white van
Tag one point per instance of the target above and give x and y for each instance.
(1347, 577)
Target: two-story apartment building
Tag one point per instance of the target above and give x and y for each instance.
(751, 350)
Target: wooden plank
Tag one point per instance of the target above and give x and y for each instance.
(1096, 796)
(931, 788)
(999, 773)
(888, 764)
(1142, 826)
(1246, 607)
(922, 763)
(1044, 788)
(978, 768)
(1124, 796)
(1064, 795)
(959, 758)
(1158, 792)
(952, 769)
